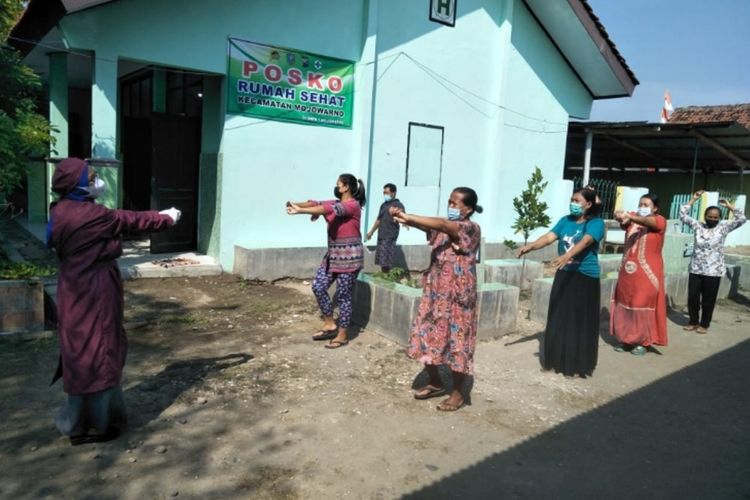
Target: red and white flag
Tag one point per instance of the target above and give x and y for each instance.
(667, 109)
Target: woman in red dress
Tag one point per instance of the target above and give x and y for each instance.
(638, 313)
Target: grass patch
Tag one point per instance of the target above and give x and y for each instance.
(23, 270)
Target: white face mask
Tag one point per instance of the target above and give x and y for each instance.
(96, 188)
(644, 211)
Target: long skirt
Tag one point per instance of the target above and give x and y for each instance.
(571, 339)
(100, 410)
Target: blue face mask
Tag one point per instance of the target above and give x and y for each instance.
(387, 197)
(576, 209)
(454, 214)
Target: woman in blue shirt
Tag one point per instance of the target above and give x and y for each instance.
(571, 338)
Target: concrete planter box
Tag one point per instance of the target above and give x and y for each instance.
(508, 271)
(540, 297)
(21, 306)
(390, 308)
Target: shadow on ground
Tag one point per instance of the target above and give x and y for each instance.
(684, 436)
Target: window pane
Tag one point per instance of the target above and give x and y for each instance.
(425, 156)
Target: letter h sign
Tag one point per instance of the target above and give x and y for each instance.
(443, 12)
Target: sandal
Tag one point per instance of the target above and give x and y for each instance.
(701, 330)
(112, 433)
(446, 406)
(690, 328)
(335, 344)
(620, 348)
(429, 391)
(326, 334)
(638, 350)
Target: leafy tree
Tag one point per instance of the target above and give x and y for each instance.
(23, 131)
(532, 213)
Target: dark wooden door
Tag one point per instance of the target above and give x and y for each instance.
(136, 146)
(175, 142)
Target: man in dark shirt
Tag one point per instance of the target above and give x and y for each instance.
(387, 229)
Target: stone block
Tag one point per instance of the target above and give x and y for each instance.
(21, 306)
(388, 308)
(497, 309)
(509, 271)
(540, 293)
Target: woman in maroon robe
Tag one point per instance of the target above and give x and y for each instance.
(93, 344)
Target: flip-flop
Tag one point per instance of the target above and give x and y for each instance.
(335, 344)
(111, 434)
(326, 334)
(445, 406)
(701, 330)
(690, 328)
(432, 392)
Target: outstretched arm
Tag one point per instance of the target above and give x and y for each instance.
(305, 208)
(540, 242)
(427, 223)
(562, 260)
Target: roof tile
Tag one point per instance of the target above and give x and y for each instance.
(739, 113)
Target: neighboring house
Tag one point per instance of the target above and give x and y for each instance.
(701, 147)
(427, 94)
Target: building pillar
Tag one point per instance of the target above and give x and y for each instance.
(587, 159)
(40, 174)
(104, 127)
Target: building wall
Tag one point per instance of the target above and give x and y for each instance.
(541, 93)
(495, 82)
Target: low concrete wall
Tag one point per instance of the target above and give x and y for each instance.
(21, 306)
(270, 264)
(390, 308)
(676, 285)
(509, 271)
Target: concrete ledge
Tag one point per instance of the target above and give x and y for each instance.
(178, 265)
(508, 271)
(390, 308)
(743, 264)
(21, 305)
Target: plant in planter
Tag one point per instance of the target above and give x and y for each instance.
(398, 275)
(532, 213)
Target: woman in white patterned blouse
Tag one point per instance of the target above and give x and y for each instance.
(707, 263)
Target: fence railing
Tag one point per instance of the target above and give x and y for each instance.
(683, 199)
(607, 191)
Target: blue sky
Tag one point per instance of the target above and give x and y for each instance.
(698, 49)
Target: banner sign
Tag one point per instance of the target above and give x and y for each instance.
(289, 85)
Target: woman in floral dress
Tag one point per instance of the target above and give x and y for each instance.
(707, 262)
(444, 331)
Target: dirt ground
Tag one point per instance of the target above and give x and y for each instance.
(229, 398)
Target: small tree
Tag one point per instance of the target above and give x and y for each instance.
(532, 213)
